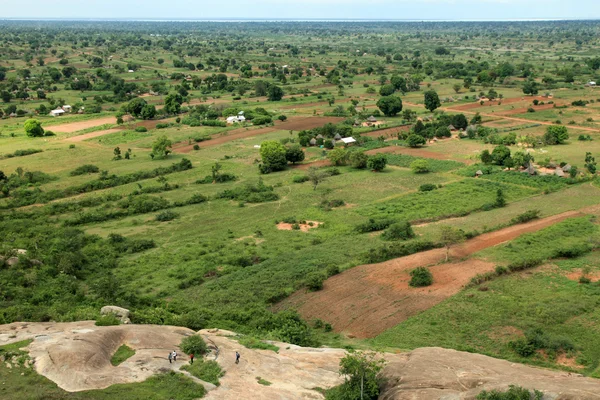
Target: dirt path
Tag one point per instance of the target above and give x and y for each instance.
(366, 300)
(78, 126)
(242, 133)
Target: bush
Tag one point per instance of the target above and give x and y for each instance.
(358, 159)
(108, 320)
(332, 270)
(374, 225)
(141, 129)
(300, 178)
(167, 215)
(262, 120)
(388, 252)
(420, 166)
(377, 162)
(193, 344)
(525, 217)
(85, 169)
(427, 187)
(420, 277)
(206, 370)
(315, 281)
(513, 393)
(250, 193)
(399, 231)
(21, 153)
(196, 147)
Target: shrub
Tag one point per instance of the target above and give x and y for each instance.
(427, 187)
(332, 269)
(141, 129)
(196, 147)
(315, 281)
(525, 217)
(400, 230)
(206, 370)
(377, 162)
(358, 159)
(420, 277)
(300, 178)
(123, 353)
(85, 169)
(250, 193)
(420, 166)
(388, 252)
(21, 153)
(167, 215)
(374, 225)
(513, 393)
(193, 344)
(108, 320)
(262, 120)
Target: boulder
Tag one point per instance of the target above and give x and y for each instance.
(119, 312)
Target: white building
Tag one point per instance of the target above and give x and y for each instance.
(67, 108)
(235, 119)
(57, 113)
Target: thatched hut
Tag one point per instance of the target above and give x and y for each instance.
(313, 142)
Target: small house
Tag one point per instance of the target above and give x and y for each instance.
(313, 142)
(372, 119)
(591, 83)
(530, 169)
(131, 71)
(452, 128)
(13, 115)
(348, 141)
(337, 136)
(478, 173)
(234, 119)
(319, 136)
(567, 168)
(559, 172)
(67, 108)
(57, 113)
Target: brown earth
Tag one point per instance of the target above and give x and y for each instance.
(78, 126)
(282, 226)
(76, 356)
(242, 133)
(366, 300)
(387, 133)
(523, 110)
(511, 100)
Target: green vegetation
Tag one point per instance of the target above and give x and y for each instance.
(361, 371)
(513, 393)
(194, 345)
(253, 343)
(123, 353)
(207, 370)
(262, 381)
(420, 277)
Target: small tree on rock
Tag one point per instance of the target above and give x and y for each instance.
(193, 344)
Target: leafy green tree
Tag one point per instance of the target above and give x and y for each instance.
(486, 157)
(173, 103)
(338, 156)
(432, 100)
(556, 134)
(377, 162)
(500, 199)
(273, 155)
(33, 128)
(161, 147)
(294, 154)
(361, 371)
(390, 105)
(590, 163)
(499, 154)
(401, 230)
(135, 106)
(387, 90)
(274, 93)
(457, 87)
(358, 159)
(399, 83)
(420, 166)
(148, 112)
(415, 140)
(530, 87)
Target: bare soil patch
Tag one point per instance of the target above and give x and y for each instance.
(78, 126)
(242, 133)
(282, 226)
(387, 133)
(366, 300)
(511, 100)
(576, 274)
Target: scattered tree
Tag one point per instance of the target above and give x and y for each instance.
(316, 176)
(420, 166)
(556, 134)
(161, 147)
(273, 155)
(33, 128)
(338, 156)
(390, 105)
(294, 154)
(361, 370)
(432, 100)
(415, 140)
(450, 236)
(377, 162)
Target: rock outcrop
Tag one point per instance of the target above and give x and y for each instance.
(77, 357)
(119, 312)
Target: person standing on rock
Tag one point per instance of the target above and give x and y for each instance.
(170, 357)
(191, 358)
(174, 355)
(237, 357)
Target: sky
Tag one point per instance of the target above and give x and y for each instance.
(304, 9)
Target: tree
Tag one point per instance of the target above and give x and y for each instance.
(432, 100)
(415, 140)
(161, 147)
(135, 106)
(400, 230)
(499, 154)
(420, 166)
(399, 83)
(148, 112)
(457, 87)
(556, 134)
(316, 176)
(390, 105)
(377, 162)
(387, 90)
(450, 236)
(500, 200)
(274, 93)
(33, 128)
(486, 157)
(590, 163)
(173, 103)
(282, 118)
(193, 344)
(530, 87)
(338, 156)
(117, 153)
(361, 370)
(273, 155)
(294, 154)
(521, 159)
(358, 159)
